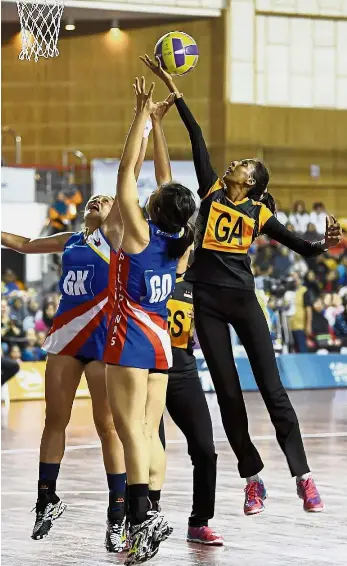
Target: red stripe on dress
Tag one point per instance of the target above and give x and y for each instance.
(113, 351)
(81, 338)
(155, 318)
(159, 352)
(112, 275)
(66, 317)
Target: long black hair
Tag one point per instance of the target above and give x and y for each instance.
(259, 190)
(171, 210)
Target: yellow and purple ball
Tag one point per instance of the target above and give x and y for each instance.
(178, 52)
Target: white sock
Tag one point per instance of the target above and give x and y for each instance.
(253, 478)
(303, 477)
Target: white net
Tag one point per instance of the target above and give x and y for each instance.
(40, 25)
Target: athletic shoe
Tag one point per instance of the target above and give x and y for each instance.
(144, 539)
(255, 494)
(116, 537)
(47, 511)
(307, 491)
(204, 535)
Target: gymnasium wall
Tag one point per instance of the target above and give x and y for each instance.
(84, 100)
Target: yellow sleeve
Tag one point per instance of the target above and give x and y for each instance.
(264, 215)
(217, 186)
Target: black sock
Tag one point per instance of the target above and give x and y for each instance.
(48, 474)
(116, 500)
(138, 503)
(154, 497)
(116, 506)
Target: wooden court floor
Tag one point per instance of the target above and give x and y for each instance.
(281, 536)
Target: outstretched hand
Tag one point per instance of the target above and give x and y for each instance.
(333, 232)
(157, 69)
(162, 108)
(144, 102)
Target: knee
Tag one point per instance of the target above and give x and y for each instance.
(201, 450)
(57, 419)
(106, 430)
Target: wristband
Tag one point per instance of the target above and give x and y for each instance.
(148, 129)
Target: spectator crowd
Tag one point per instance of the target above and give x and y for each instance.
(305, 300)
(25, 319)
(307, 295)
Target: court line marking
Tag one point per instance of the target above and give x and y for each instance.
(179, 441)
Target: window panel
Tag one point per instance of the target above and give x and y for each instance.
(278, 30)
(341, 48)
(242, 32)
(323, 91)
(260, 98)
(263, 5)
(301, 91)
(324, 33)
(324, 61)
(277, 88)
(307, 6)
(341, 95)
(301, 60)
(261, 43)
(242, 82)
(277, 59)
(283, 5)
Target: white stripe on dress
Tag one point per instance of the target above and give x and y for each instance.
(163, 335)
(60, 338)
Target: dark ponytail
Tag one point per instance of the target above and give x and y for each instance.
(269, 202)
(258, 191)
(177, 246)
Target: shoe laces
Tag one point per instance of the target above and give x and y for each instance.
(310, 489)
(252, 490)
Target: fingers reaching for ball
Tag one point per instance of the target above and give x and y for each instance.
(333, 232)
(144, 102)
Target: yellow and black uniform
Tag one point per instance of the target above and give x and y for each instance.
(181, 328)
(224, 294)
(187, 405)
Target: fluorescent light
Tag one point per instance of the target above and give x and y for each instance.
(70, 26)
(114, 25)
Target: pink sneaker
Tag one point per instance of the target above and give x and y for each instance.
(204, 535)
(255, 494)
(307, 491)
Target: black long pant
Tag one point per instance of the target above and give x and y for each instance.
(9, 368)
(214, 308)
(187, 406)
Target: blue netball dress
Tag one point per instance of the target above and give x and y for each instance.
(80, 326)
(138, 333)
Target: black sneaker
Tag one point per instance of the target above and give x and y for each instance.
(116, 536)
(144, 539)
(47, 511)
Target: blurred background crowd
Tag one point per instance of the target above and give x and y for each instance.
(304, 300)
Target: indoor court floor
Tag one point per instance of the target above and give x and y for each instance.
(281, 536)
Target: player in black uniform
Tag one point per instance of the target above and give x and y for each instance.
(234, 211)
(187, 406)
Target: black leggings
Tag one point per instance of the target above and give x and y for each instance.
(214, 308)
(187, 406)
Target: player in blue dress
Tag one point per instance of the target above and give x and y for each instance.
(75, 345)
(138, 351)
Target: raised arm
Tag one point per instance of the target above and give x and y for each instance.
(136, 231)
(274, 229)
(113, 224)
(162, 164)
(48, 245)
(204, 170)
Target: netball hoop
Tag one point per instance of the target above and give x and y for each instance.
(40, 25)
